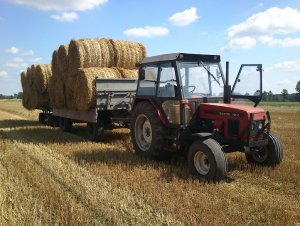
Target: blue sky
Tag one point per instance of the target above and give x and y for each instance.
(247, 31)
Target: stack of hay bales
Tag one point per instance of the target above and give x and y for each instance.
(35, 83)
(77, 65)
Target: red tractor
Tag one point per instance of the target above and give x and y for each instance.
(183, 104)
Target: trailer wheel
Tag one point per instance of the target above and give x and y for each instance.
(269, 155)
(42, 118)
(95, 131)
(207, 160)
(65, 124)
(148, 133)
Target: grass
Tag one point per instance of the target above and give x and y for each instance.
(49, 177)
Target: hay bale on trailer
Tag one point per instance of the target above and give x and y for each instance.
(128, 54)
(25, 87)
(57, 92)
(35, 86)
(128, 73)
(41, 77)
(85, 53)
(84, 97)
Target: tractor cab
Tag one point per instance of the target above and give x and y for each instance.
(180, 82)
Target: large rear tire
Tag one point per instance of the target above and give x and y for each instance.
(207, 160)
(148, 133)
(269, 155)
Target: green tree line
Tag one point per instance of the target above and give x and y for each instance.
(15, 96)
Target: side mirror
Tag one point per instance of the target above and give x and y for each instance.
(141, 74)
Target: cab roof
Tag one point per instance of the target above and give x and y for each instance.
(187, 57)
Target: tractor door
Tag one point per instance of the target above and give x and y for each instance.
(248, 83)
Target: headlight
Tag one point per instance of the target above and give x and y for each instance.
(260, 126)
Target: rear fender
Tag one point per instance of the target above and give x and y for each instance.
(159, 112)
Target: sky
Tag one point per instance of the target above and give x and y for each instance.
(241, 31)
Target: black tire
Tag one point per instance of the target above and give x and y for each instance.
(52, 120)
(61, 122)
(148, 133)
(95, 131)
(207, 160)
(42, 118)
(65, 124)
(269, 155)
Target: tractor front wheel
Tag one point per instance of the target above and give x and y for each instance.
(207, 160)
(269, 155)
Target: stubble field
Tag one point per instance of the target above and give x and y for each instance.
(48, 177)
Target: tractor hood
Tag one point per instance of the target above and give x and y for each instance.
(231, 110)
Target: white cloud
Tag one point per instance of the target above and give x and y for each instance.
(65, 16)
(18, 60)
(240, 43)
(290, 66)
(77, 5)
(184, 18)
(286, 42)
(28, 53)
(271, 21)
(35, 60)
(264, 26)
(12, 50)
(3, 74)
(17, 63)
(283, 75)
(147, 31)
(12, 64)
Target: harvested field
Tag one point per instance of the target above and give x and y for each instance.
(54, 178)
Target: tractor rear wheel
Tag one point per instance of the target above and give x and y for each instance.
(148, 133)
(207, 160)
(269, 155)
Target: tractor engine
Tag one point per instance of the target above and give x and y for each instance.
(237, 125)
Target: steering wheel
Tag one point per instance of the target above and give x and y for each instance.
(194, 87)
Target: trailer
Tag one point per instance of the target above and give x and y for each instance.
(181, 103)
(114, 99)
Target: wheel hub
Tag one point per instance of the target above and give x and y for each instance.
(147, 133)
(201, 163)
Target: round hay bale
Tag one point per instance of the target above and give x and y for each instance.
(41, 77)
(33, 98)
(69, 92)
(57, 92)
(24, 82)
(86, 53)
(128, 54)
(55, 63)
(63, 61)
(128, 73)
(51, 90)
(84, 96)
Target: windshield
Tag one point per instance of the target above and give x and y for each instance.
(201, 79)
